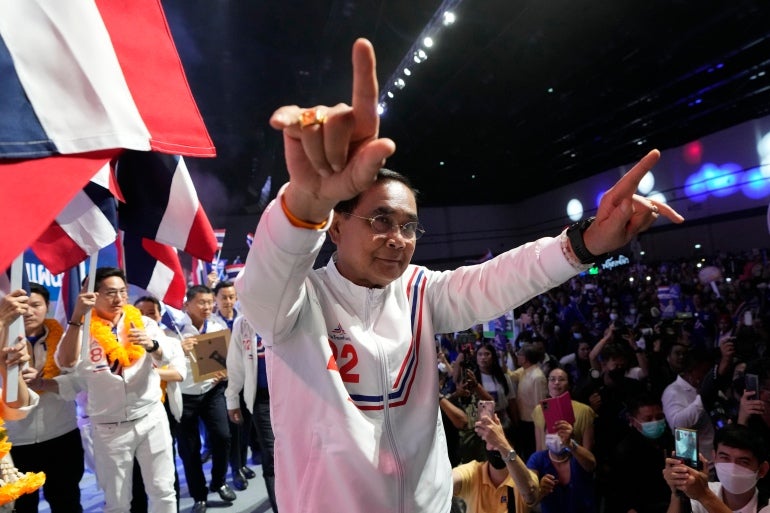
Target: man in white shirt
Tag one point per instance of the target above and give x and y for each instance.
(740, 457)
(204, 401)
(682, 402)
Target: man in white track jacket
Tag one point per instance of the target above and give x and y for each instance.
(351, 355)
(246, 371)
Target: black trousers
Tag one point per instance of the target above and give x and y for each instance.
(212, 409)
(239, 438)
(61, 459)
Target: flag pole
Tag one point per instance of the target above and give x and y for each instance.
(86, 337)
(15, 330)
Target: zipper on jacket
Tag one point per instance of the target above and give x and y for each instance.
(385, 383)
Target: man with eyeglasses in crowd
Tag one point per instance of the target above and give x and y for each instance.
(124, 395)
(350, 346)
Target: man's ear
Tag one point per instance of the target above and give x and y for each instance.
(334, 229)
(763, 468)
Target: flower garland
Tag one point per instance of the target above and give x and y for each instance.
(14, 484)
(101, 331)
(55, 332)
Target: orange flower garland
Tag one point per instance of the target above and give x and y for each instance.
(14, 484)
(114, 347)
(55, 332)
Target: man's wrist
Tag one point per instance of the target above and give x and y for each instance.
(508, 455)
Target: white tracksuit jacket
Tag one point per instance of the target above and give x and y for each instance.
(242, 366)
(352, 371)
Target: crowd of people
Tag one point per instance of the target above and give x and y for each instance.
(142, 402)
(635, 371)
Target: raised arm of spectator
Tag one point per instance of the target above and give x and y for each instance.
(491, 431)
(12, 306)
(593, 356)
(68, 351)
(584, 457)
(454, 413)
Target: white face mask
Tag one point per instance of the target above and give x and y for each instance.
(736, 479)
(553, 443)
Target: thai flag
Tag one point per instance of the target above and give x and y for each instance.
(86, 225)
(249, 239)
(68, 294)
(161, 203)
(155, 268)
(200, 271)
(232, 271)
(91, 75)
(80, 81)
(219, 233)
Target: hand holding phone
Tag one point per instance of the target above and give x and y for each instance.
(487, 409)
(752, 384)
(686, 447)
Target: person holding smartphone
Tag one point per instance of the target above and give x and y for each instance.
(566, 473)
(740, 459)
(502, 483)
(754, 409)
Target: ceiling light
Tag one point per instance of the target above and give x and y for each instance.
(449, 18)
(428, 42)
(407, 72)
(381, 108)
(390, 94)
(399, 83)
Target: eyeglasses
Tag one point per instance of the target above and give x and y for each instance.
(384, 224)
(114, 293)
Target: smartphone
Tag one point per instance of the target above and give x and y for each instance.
(748, 319)
(556, 409)
(752, 383)
(487, 409)
(686, 446)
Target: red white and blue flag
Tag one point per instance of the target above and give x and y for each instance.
(219, 233)
(200, 271)
(249, 239)
(155, 268)
(79, 82)
(232, 271)
(87, 224)
(163, 205)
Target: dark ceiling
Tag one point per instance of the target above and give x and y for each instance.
(626, 76)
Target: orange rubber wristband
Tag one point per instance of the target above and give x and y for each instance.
(296, 221)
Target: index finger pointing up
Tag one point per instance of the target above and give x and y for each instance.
(365, 88)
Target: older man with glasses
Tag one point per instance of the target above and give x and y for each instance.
(350, 347)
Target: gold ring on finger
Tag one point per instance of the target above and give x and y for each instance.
(309, 117)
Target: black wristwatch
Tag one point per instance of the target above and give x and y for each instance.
(575, 235)
(155, 346)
